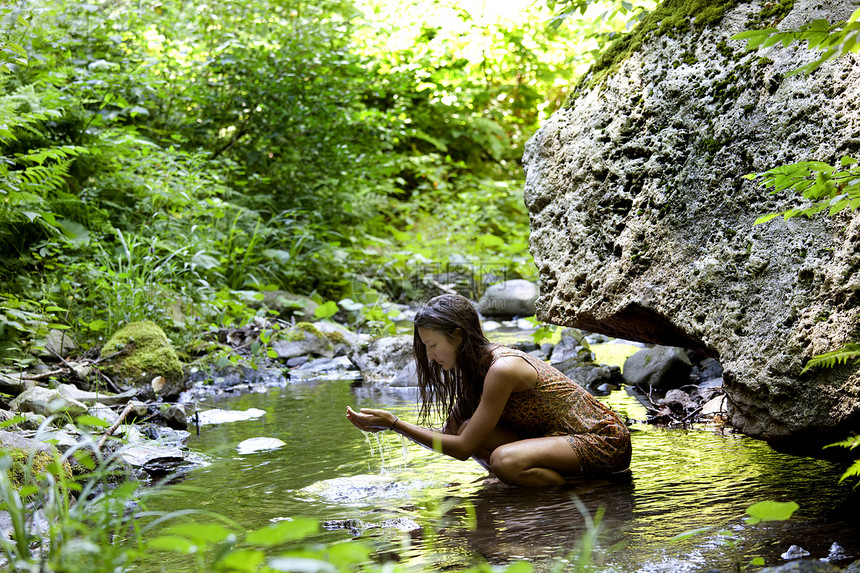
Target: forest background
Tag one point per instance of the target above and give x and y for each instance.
(174, 160)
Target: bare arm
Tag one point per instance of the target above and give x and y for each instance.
(504, 377)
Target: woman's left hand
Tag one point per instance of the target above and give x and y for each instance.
(369, 420)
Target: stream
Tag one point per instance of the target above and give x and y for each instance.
(377, 489)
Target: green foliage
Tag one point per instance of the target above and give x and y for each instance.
(825, 187)
(769, 510)
(281, 546)
(763, 511)
(87, 526)
(850, 351)
(853, 470)
(565, 9)
(12, 53)
(833, 40)
(23, 323)
(173, 161)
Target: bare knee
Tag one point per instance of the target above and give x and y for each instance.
(505, 464)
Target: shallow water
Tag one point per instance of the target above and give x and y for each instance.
(682, 480)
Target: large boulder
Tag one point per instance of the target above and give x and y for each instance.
(509, 299)
(382, 359)
(303, 339)
(643, 225)
(661, 367)
(286, 304)
(47, 402)
(142, 355)
(36, 453)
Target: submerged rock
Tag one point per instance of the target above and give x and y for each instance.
(364, 488)
(802, 567)
(253, 445)
(218, 416)
(643, 227)
(357, 527)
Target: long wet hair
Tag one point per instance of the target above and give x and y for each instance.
(454, 393)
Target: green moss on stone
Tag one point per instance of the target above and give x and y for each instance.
(335, 337)
(151, 353)
(300, 330)
(671, 18)
(771, 14)
(309, 327)
(42, 462)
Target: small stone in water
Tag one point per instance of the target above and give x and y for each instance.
(837, 553)
(252, 445)
(218, 416)
(401, 524)
(795, 552)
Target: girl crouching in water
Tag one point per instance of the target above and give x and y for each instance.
(519, 417)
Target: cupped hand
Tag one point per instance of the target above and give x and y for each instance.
(370, 420)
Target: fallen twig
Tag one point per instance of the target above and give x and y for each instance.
(43, 375)
(113, 386)
(442, 287)
(120, 420)
(125, 348)
(693, 413)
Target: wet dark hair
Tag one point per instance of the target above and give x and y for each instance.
(453, 393)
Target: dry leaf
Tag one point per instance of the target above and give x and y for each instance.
(158, 383)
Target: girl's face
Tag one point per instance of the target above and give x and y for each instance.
(439, 349)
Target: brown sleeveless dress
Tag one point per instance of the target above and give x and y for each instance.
(558, 406)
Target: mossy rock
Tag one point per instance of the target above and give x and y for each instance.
(671, 18)
(149, 355)
(26, 453)
(303, 339)
(298, 332)
(286, 304)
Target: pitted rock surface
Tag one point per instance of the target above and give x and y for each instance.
(642, 222)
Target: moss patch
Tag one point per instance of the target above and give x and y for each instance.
(335, 337)
(307, 331)
(150, 355)
(670, 18)
(771, 14)
(301, 330)
(43, 462)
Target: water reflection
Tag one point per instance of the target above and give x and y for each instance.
(682, 480)
(544, 525)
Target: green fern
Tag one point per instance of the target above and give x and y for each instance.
(45, 177)
(839, 356)
(850, 443)
(854, 470)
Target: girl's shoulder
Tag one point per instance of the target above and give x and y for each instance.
(503, 351)
(514, 365)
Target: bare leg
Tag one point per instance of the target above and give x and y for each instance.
(535, 462)
(498, 437)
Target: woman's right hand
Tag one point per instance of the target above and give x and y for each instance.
(369, 420)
